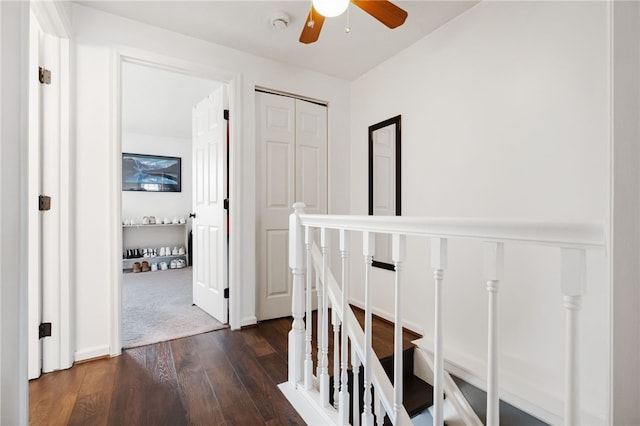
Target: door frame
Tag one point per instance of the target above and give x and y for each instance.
(57, 351)
(234, 83)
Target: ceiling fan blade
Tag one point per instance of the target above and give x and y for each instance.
(384, 11)
(311, 32)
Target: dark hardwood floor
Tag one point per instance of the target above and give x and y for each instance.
(218, 378)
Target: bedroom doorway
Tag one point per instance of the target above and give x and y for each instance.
(157, 183)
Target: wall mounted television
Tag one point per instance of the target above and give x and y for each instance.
(151, 173)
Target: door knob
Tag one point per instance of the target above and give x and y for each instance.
(192, 215)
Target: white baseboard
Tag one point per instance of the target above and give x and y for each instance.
(248, 321)
(94, 352)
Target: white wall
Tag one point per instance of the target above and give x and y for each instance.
(14, 33)
(97, 35)
(504, 115)
(135, 204)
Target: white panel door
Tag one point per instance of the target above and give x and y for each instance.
(311, 156)
(209, 191)
(291, 166)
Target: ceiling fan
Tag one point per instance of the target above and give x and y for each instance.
(383, 10)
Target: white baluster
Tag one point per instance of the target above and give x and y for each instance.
(379, 409)
(308, 361)
(438, 264)
(324, 352)
(355, 366)
(344, 346)
(493, 267)
(368, 246)
(398, 254)
(297, 265)
(573, 287)
(319, 317)
(335, 321)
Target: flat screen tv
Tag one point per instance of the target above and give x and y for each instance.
(151, 173)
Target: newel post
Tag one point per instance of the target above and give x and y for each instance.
(297, 265)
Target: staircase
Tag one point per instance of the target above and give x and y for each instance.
(417, 394)
(386, 390)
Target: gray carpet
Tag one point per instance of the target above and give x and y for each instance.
(157, 306)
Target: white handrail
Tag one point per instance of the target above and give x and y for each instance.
(560, 234)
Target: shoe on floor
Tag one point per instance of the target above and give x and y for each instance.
(136, 267)
(145, 266)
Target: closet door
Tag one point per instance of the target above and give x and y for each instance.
(291, 154)
(311, 156)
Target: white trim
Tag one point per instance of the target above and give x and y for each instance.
(624, 213)
(33, 215)
(115, 235)
(52, 18)
(90, 353)
(559, 234)
(234, 81)
(66, 223)
(305, 403)
(249, 321)
(49, 20)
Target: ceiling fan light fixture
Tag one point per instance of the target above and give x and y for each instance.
(330, 8)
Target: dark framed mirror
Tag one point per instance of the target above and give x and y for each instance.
(384, 181)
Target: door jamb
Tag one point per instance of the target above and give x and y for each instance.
(52, 21)
(234, 83)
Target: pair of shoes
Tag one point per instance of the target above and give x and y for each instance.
(154, 267)
(177, 264)
(132, 254)
(145, 266)
(136, 267)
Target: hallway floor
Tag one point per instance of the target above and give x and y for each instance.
(216, 378)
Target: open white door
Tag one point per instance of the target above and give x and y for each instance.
(209, 192)
(34, 219)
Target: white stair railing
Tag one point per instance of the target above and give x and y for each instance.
(380, 396)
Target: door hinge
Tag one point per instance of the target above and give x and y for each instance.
(226, 114)
(44, 203)
(44, 330)
(226, 293)
(44, 75)
(226, 204)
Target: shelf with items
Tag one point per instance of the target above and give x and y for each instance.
(154, 243)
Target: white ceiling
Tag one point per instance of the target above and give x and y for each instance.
(246, 26)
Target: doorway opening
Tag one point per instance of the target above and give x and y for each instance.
(155, 253)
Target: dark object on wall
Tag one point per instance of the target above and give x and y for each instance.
(190, 248)
(151, 173)
(384, 181)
